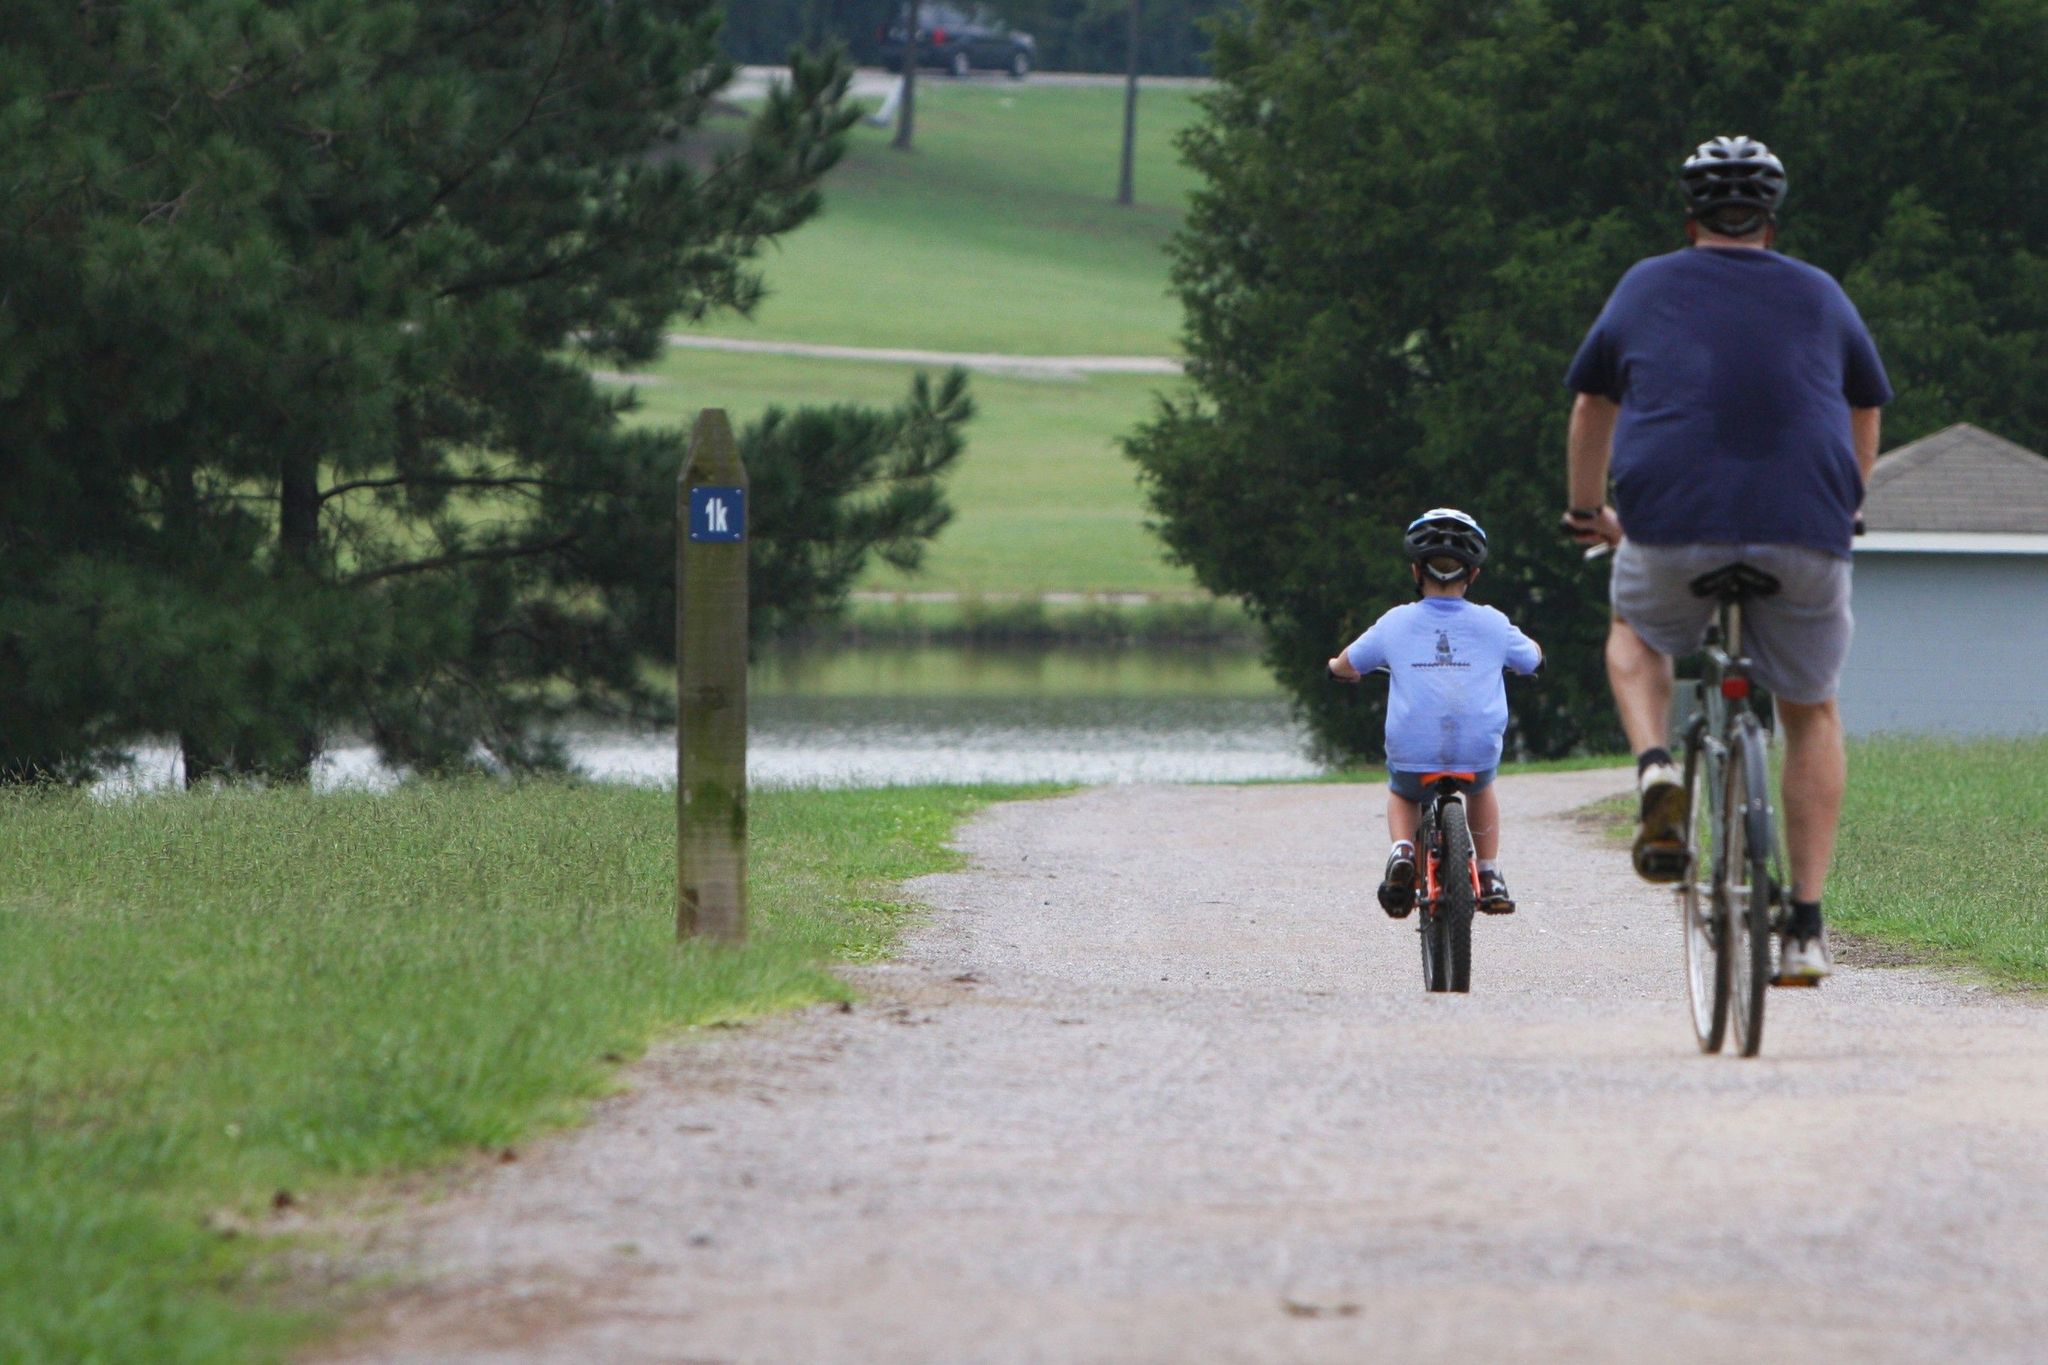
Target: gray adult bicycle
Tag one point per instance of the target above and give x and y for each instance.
(1731, 897)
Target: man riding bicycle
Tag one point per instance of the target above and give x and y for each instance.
(1737, 394)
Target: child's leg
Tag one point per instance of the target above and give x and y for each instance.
(1402, 817)
(1482, 809)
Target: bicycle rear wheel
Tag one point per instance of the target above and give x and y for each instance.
(1458, 896)
(1702, 914)
(1746, 811)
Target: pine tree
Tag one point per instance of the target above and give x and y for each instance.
(298, 308)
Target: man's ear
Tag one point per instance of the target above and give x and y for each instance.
(1472, 577)
(1692, 231)
(1770, 235)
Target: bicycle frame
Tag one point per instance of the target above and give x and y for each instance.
(1731, 909)
(1724, 686)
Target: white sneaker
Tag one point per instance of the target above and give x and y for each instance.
(1803, 961)
(1659, 850)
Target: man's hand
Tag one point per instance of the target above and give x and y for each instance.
(1594, 526)
(1342, 671)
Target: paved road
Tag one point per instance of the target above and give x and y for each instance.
(1152, 1085)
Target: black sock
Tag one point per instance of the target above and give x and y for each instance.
(1805, 921)
(1648, 756)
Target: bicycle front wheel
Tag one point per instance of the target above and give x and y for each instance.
(1746, 831)
(1458, 897)
(1702, 914)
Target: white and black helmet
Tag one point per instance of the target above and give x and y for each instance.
(1734, 183)
(1445, 533)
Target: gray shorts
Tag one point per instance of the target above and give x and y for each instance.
(1797, 638)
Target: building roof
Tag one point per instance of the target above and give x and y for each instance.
(1961, 478)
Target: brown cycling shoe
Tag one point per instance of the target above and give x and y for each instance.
(1659, 849)
(1493, 893)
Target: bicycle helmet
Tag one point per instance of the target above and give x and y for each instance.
(1733, 184)
(1445, 533)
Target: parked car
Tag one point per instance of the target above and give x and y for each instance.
(960, 40)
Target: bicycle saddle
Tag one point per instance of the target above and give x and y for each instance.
(1734, 583)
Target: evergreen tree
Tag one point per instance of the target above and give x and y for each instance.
(1414, 210)
(297, 429)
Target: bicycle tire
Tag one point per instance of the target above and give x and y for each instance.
(1459, 896)
(1436, 955)
(1702, 914)
(1747, 816)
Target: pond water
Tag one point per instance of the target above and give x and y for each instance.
(874, 716)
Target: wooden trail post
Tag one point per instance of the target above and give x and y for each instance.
(711, 685)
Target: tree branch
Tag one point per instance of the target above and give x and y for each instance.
(444, 481)
(449, 561)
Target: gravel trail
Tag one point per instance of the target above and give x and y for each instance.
(1155, 1083)
(1071, 367)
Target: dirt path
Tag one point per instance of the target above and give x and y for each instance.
(1014, 366)
(1152, 1085)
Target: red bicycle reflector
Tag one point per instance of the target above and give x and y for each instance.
(1735, 689)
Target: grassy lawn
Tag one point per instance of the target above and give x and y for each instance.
(211, 999)
(1045, 500)
(1942, 850)
(1000, 232)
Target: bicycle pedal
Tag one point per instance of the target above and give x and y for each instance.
(1797, 983)
(1661, 862)
(1496, 907)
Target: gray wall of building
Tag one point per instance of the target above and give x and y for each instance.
(1948, 644)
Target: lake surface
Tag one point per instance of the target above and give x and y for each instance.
(875, 716)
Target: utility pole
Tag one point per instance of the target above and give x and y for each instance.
(907, 116)
(1125, 187)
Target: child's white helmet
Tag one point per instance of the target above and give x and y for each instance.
(1445, 532)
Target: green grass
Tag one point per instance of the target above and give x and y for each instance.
(1000, 232)
(1941, 850)
(1045, 500)
(210, 998)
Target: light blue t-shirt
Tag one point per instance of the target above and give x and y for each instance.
(1448, 705)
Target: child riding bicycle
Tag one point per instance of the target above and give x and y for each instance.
(1447, 707)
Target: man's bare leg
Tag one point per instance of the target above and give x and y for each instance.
(1816, 773)
(1641, 679)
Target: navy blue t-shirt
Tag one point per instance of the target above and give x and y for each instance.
(1735, 369)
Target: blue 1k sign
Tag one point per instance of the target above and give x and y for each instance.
(718, 514)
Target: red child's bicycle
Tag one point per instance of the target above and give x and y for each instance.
(1448, 894)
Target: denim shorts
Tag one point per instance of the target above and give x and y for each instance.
(1408, 786)
(1796, 639)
